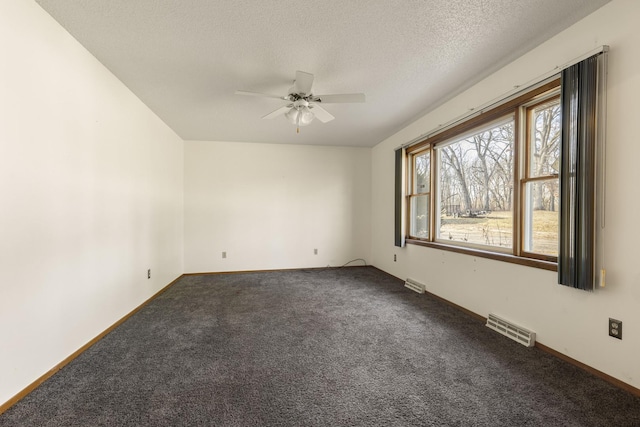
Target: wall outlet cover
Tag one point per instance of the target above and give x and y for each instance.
(615, 328)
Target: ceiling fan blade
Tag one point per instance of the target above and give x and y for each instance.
(303, 82)
(323, 115)
(263, 95)
(339, 98)
(280, 111)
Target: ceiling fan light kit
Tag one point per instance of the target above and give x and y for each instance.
(300, 114)
(303, 105)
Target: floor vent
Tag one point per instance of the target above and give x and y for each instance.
(414, 286)
(508, 329)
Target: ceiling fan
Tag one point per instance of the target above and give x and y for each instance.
(302, 105)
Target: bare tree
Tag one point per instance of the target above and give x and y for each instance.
(480, 168)
(453, 158)
(501, 153)
(545, 152)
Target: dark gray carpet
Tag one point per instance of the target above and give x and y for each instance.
(334, 347)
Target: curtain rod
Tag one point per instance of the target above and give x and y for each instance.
(507, 96)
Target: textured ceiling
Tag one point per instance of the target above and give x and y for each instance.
(185, 59)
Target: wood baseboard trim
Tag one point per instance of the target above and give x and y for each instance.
(446, 301)
(15, 399)
(214, 273)
(608, 378)
(476, 316)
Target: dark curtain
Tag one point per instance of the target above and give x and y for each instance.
(399, 238)
(577, 175)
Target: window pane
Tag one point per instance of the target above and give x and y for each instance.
(476, 187)
(422, 171)
(545, 140)
(420, 217)
(541, 217)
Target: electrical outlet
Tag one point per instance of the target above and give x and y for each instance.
(224, 254)
(149, 274)
(395, 258)
(615, 328)
(315, 252)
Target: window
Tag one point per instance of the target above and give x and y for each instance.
(490, 185)
(541, 181)
(420, 193)
(522, 182)
(475, 177)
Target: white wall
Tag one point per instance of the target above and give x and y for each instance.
(90, 197)
(270, 205)
(571, 321)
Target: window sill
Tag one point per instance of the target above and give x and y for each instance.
(529, 262)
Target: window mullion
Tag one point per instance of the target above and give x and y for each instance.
(435, 165)
(520, 169)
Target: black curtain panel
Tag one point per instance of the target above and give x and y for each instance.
(577, 175)
(399, 238)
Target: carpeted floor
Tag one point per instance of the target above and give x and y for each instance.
(334, 347)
